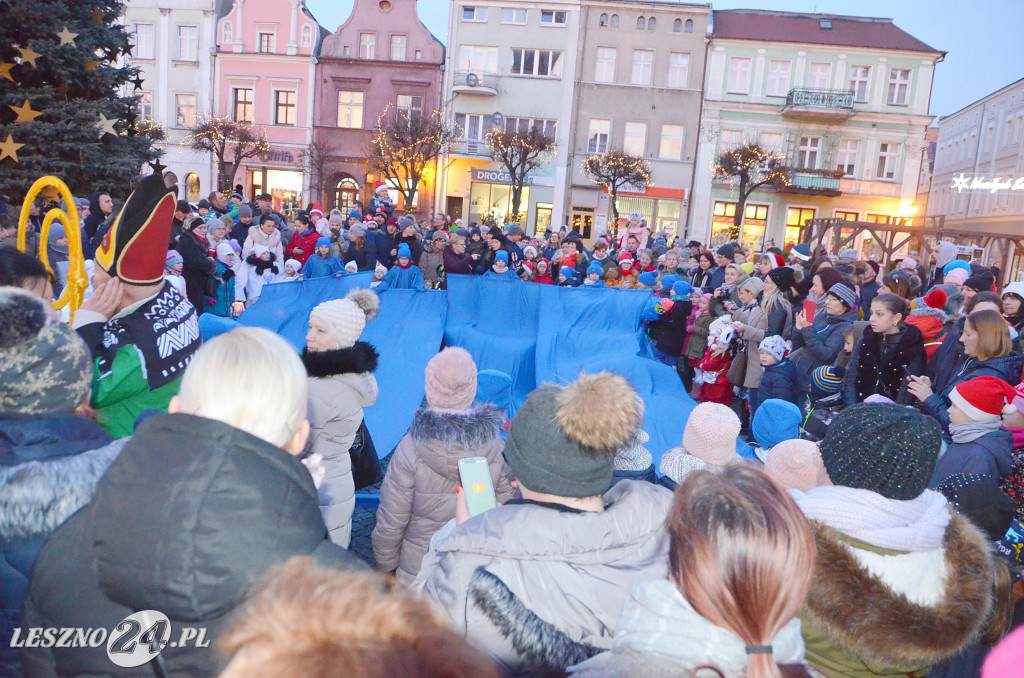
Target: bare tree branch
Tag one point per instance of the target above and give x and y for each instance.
(754, 168)
(223, 136)
(520, 153)
(614, 169)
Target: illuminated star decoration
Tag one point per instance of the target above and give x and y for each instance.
(9, 149)
(961, 183)
(106, 126)
(5, 71)
(29, 56)
(66, 37)
(25, 112)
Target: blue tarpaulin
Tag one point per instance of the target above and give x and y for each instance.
(533, 333)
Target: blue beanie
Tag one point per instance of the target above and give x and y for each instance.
(648, 279)
(501, 255)
(955, 264)
(404, 251)
(323, 241)
(660, 240)
(775, 421)
(682, 289)
(355, 214)
(569, 271)
(801, 252)
(595, 267)
(669, 280)
(474, 231)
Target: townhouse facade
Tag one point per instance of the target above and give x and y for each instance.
(381, 57)
(843, 103)
(638, 90)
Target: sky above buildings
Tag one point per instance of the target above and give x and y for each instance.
(982, 39)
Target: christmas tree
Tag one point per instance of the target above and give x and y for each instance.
(63, 108)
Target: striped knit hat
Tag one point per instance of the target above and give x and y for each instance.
(826, 383)
(845, 294)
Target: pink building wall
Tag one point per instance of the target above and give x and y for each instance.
(381, 80)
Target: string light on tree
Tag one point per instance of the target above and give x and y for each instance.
(753, 168)
(614, 169)
(519, 153)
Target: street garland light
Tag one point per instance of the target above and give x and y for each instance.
(614, 169)
(752, 168)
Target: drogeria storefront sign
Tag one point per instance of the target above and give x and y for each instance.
(963, 183)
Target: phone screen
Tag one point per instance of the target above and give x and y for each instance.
(475, 474)
(810, 308)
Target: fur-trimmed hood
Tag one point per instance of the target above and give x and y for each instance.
(438, 434)
(357, 359)
(860, 615)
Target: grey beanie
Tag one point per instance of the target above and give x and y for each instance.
(45, 367)
(564, 439)
(244, 211)
(405, 221)
(845, 294)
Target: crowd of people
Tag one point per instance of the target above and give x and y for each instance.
(844, 501)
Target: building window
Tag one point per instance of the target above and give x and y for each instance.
(552, 17)
(604, 65)
(227, 33)
(678, 69)
(145, 41)
(615, 21)
(990, 135)
(188, 43)
(536, 63)
(795, 218)
(671, 142)
(478, 59)
(267, 43)
(243, 104)
(677, 26)
(524, 125)
(849, 149)
(603, 21)
(597, 135)
(513, 16)
(474, 127)
(770, 141)
(641, 23)
(778, 77)
(888, 153)
(398, 43)
(652, 24)
(307, 36)
(819, 75)
(807, 157)
(419, 55)
(847, 216)
(284, 108)
(688, 27)
(350, 109)
(184, 110)
(859, 76)
(367, 45)
(145, 105)
(730, 138)
(472, 13)
(410, 105)
(739, 75)
(643, 63)
(635, 140)
(899, 86)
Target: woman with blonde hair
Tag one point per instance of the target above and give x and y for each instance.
(741, 561)
(726, 298)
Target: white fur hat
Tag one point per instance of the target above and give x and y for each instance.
(347, 317)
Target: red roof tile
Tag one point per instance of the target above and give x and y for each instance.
(768, 26)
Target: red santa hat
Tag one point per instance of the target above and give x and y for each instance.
(317, 209)
(626, 260)
(984, 398)
(380, 185)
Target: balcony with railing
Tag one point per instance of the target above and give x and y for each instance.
(481, 84)
(471, 148)
(813, 182)
(819, 104)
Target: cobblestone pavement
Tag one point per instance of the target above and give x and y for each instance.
(364, 519)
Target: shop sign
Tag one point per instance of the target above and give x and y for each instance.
(498, 177)
(964, 183)
(274, 155)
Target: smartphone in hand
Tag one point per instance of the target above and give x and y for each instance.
(810, 308)
(475, 474)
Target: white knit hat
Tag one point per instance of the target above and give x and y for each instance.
(347, 317)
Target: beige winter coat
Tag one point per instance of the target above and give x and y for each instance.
(756, 322)
(272, 242)
(336, 403)
(418, 494)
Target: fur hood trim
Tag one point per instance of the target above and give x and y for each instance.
(36, 497)
(933, 312)
(359, 358)
(469, 431)
(862, 615)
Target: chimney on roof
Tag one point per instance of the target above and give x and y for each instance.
(826, 24)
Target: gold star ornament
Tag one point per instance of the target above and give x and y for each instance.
(5, 71)
(66, 37)
(9, 149)
(25, 112)
(29, 56)
(90, 65)
(106, 126)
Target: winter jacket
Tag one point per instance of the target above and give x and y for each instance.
(780, 321)
(225, 291)
(49, 465)
(716, 387)
(573, 569)
(507, 276)
(381, 205)
(415, 247)
(669, 332)
(461, 264)
(878, 362)
(699, 339)
(198, 269)
(867, 295)
(318, 267)
(398, 278)
(701, 280)
(931, 323)
(820, 344)
(429, 261)
(272, 242)
(189, 515)
(947, 357)
(341, 384)
(366, 257)
(1007, 368)
(307, 241)
(717, 279)
(858, 624)
(778, 381)
(756, 321)
(991, 455)
(417, 496)
(253, 274)
(477, 249)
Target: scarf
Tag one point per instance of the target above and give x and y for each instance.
(971, 431)
(917, 524)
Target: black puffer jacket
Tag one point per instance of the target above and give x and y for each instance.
(191, 513)
(877, 366)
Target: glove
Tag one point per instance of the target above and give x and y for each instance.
(663, 306)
